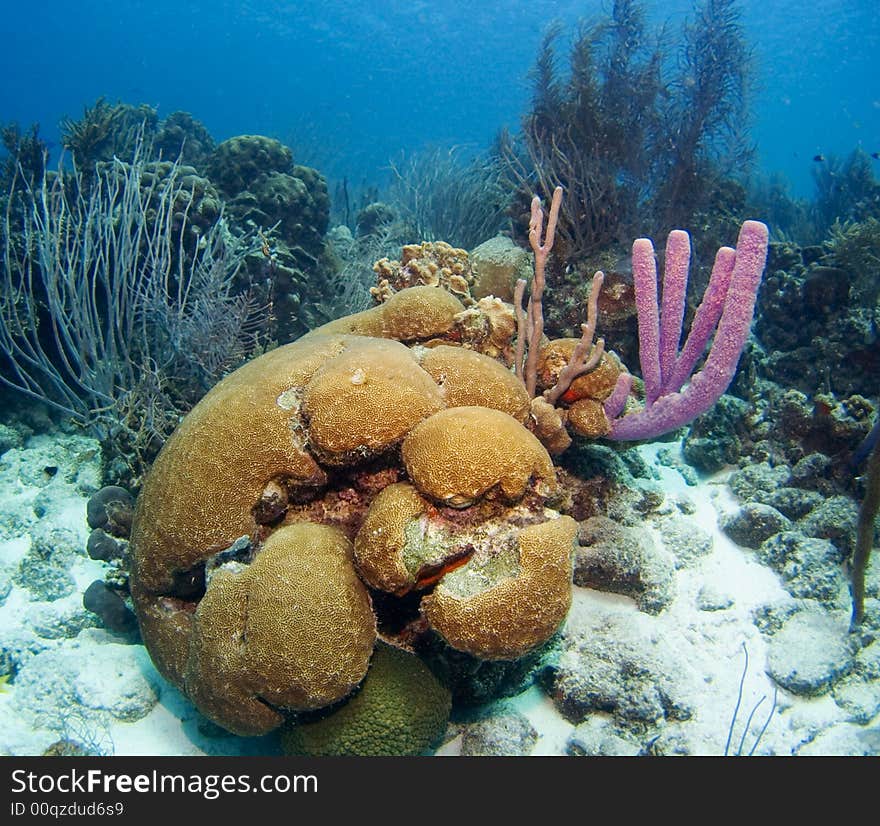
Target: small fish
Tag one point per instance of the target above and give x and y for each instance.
(4, 689)
(818, 158)
(875, 156)
(433, 574)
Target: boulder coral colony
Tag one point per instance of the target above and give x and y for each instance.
(389, 475)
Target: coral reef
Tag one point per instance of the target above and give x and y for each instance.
(416, 454)
(402, 429)
(107, 130)
(138, 276)
(624, 560)
(237, 162)
(457, 455)
(391, 430)
(615, 663)
(866, 531)
(181, 136)
(817, 314)
(26, 154)
(110, 511)
(288, 203)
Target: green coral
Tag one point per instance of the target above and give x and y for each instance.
(182, 136)
(237, 162)
(401, 709)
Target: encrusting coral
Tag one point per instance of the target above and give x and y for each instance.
(429, 264)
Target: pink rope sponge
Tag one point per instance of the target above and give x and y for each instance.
(674, 395)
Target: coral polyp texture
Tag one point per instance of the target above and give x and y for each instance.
(366, 400)
(401, 709)
(293, 629)
(375, 474)
(529, 580)
(461, 454)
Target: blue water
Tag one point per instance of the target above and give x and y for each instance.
(349, 84)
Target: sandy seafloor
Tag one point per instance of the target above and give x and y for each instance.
(78, 680)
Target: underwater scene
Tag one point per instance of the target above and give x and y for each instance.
(454, 379)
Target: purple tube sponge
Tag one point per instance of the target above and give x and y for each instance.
(674, 397)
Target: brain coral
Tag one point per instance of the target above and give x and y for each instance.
(201, 491)
(383, 547)
(472, 607)
(294, 629)
(302, 592)
(467, 378)
(401, 710)
(459, 454)
(413, 314)
(313, 488)
(366, 400)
